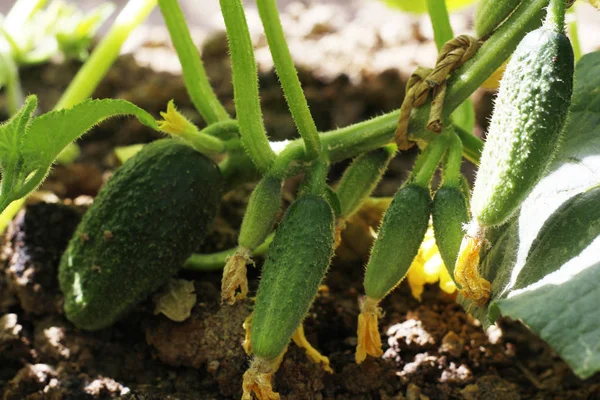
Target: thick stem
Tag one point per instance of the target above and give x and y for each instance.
(194, 75)
(245, 86)
(288, 77)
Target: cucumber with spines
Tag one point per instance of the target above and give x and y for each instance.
(145, 222)
(297, 260)
(529, 116)
(398, 240)
(450, 213)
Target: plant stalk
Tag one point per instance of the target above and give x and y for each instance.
(245, 86)
(288, 77)
(194, 75)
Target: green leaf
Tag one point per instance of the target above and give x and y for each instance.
(50, 133)
(420, 6)
(33, 146)
(545, 266)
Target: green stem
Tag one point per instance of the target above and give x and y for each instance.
(464, 115)
(440, 21)
(102, 58)
(105, 54)
(288, 77)
(428, 160)
(194, 75)
(216, 261)
(451, 175)
(471, 144)
(465, 80)
(555, 19)
(224, 130)
(245, 86)
(574, 35)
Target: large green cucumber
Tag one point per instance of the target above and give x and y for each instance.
(398, 240)
(530, 113)
(296, 263)
(145, 222)
(449, 215)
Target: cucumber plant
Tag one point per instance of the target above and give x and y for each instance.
(107, 269)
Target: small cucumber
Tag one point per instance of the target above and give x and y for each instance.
(296, 263)
(398, 240)
(361, 178)
(491, 13)
(145, 222)
(260, 216)
(450, 214)
(529, 115)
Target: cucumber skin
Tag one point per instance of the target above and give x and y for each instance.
(296, 263)
(398, 240)
(157, 207)
(530, 113)
(491, 13)
(450, 214)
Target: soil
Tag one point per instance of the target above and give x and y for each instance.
(433, 349)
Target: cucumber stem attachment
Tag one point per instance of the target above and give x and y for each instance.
(451, 175)
(428, 160)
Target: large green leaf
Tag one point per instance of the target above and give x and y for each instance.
(545, 266)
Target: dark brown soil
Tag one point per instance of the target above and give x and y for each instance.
(433, 349)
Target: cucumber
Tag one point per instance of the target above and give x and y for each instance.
(530, 113)
(491, 13)
(145, 222)
(398, 240)
(361, 177)
(450, 214)
(297, 260)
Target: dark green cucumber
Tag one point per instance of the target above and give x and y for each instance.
(491, 13)
(526, 126)
(296, 263)
(568, 231)
(450, 214)
(398, 240)
(145, 222)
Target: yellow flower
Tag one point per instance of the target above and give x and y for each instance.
(428, 267)
(174, 123)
